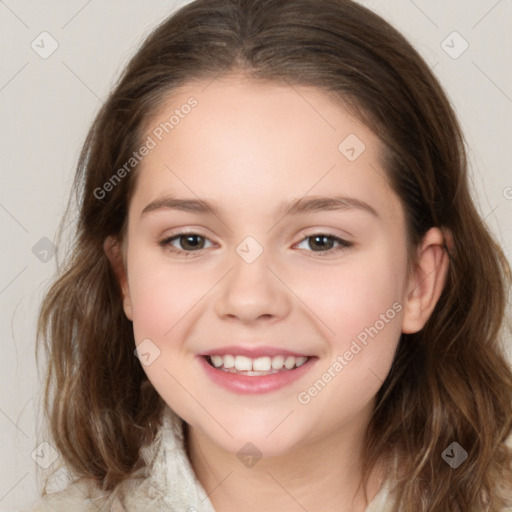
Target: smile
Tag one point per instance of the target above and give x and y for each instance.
(255, 375)
(256, 366)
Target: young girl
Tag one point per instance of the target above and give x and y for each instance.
(281, 296)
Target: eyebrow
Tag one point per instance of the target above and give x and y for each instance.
(293, 207)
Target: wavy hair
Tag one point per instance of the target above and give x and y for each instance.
(449, 382)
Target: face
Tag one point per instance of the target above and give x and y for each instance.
(262, 231)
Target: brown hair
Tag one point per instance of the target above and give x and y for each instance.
(449, 382)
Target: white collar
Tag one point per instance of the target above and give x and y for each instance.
(171, 484)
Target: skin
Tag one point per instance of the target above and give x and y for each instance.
(249, 146)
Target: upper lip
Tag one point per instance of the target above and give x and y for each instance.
(253, 352)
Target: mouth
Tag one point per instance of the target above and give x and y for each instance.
(256, 367)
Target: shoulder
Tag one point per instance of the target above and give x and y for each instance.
(77, 496)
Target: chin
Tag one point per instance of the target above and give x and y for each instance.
(263, 438)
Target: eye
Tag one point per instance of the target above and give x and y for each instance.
(189, 242)
(323, 243)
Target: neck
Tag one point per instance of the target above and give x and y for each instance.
(323, 474)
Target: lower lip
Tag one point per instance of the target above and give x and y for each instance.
(249, 384)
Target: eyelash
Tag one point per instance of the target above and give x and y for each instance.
(344, 244)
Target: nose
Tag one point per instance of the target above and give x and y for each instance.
(252, 292)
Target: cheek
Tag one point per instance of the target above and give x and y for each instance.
(357, 295)
(162, 301)
(161, 296)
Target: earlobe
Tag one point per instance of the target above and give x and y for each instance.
(427, 280)
(112, 249)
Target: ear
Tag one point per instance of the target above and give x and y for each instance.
(427, 280)
(113, 250)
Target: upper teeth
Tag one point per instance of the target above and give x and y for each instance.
(263, 364)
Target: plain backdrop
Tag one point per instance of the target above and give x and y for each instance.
(47, 102)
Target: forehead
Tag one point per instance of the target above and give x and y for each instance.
(235, 137)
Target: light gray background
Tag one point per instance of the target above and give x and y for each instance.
(46, 106)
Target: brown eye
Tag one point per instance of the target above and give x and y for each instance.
(191, 242)
(321, 242)
(325, 243)
(184, 242)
